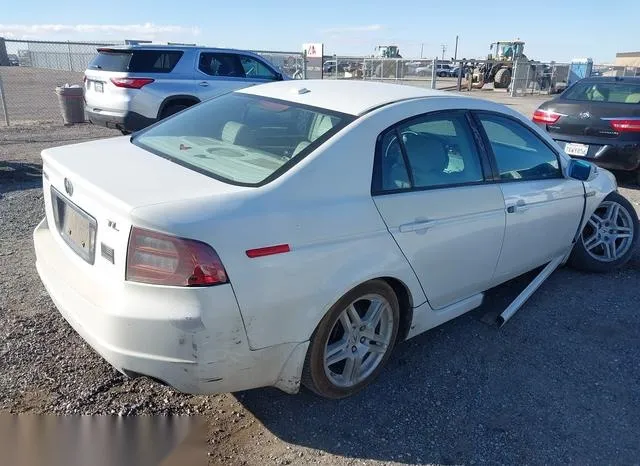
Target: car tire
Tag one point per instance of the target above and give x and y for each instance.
(354, 366)
(594, 250)
(172, 109)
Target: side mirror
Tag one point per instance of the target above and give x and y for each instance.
(279, 77)
(582, 170)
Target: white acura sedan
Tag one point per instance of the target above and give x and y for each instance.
(296, 231)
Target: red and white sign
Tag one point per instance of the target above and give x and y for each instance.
(313, 50)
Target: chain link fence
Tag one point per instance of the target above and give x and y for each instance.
(27, 88)
(33, 69)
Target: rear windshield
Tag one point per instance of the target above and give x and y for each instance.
(242, 139)
(613, 92)
(136, 61)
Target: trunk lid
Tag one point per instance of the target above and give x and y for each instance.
(90, 190)
(589, 119)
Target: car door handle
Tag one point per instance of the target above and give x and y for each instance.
(520, 206)
(203, 84)
(416, 226)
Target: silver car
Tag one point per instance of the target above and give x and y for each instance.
(131, 87)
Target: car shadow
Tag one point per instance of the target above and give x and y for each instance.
(17, 176)
(465, 392)
(627, 179)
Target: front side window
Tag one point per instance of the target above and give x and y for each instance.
(256, 69)
(519, 153)
(221, 64)
(240, 138)
(429, 151)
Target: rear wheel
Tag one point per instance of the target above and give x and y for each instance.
(609, 238)
(353, 341)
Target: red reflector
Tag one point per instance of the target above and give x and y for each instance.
(161, 259)
(625, 126)
(545, 116)
(268, 251)
(131, 83)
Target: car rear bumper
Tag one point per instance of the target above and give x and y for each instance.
(607, 154)
(128, 121)
(192, 339)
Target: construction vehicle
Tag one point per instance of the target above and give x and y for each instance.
(498, 69)
(386, 67)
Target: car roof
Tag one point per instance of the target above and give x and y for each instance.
(352, 97)
(172, 47)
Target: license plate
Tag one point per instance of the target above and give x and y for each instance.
(579, 150)
(76, 227)
(98, 86)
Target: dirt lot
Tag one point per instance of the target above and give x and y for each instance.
(558, 384)
(30, 93)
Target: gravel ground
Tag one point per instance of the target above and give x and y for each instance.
(559, 383)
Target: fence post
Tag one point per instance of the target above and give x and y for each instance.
(4, 103)
(304, 64)
(397, 64)
(433, 73)
(514, 78)
(335, 59)
(69, 55)
(460, 70)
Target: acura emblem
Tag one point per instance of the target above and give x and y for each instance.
(584, 115)
(68, 187)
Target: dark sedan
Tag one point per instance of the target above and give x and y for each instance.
(597, 119)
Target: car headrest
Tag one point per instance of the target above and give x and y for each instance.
(300, 147)
(321, 124)
(236, 133)
(632, 99)
(426, 155)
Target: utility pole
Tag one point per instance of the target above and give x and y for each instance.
(421, 49)
(455, 54)
(444, 49)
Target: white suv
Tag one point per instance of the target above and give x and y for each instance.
(131, 87)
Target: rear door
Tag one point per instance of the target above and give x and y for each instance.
(221, 72)
(429, 186)
(543, 208)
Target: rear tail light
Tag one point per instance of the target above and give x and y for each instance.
(161, 259)
(545, 116)
(131, 83)
(625, 125)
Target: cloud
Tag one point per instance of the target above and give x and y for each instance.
(49, 31)
(350, 29)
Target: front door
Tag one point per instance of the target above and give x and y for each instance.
(543, 208)
(429, 186)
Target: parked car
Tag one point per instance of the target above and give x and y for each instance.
(455, 71)
(13, 60)
(442, 70)
(597, 119)
(235, 246)
(131, 87)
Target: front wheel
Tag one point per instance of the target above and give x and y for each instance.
(353, 341)
(609, 238)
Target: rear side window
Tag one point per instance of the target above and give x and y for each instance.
(519, 153)
(613, 92)
(136, 61)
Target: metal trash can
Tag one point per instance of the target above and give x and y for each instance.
(71, 100)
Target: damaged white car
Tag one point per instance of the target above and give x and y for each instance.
(296, 231)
